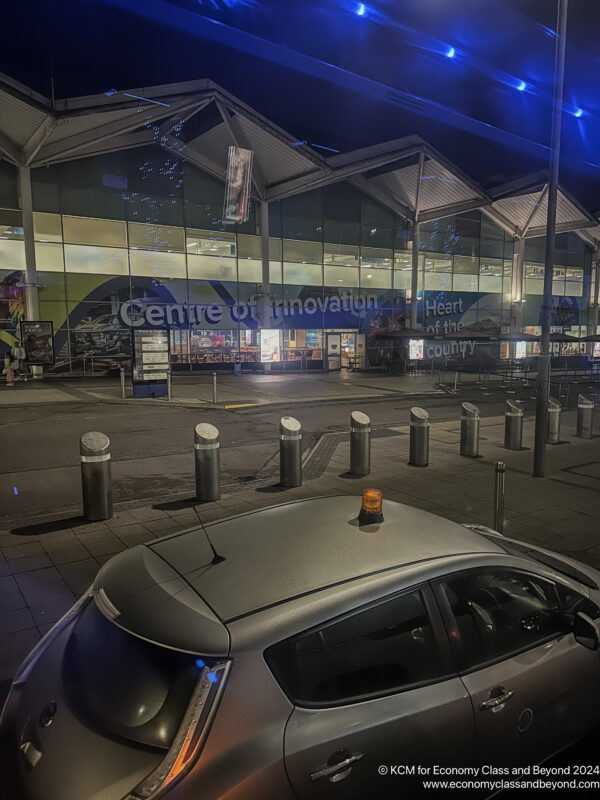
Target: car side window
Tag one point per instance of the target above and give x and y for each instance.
(500, 612)
(383, 649)
(573, 601)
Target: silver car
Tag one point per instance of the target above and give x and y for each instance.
(302, 651)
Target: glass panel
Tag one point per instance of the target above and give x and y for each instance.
(402, 278)
(49, 257)
(468, 265)
(438, 280)
(344, 275)
(381, 650)
(487, 283)
(574, 288)
(12, 254)
(211, 268)
(155, 237)
(275, 272)
(47, 227)
(167, 265)
(490, 267)
(96, 260)
(303, 274)
(378, 257)
(214, 346)
(534, 271)
(533, 286)
(341, 255)
(467, 283)
(83, 230)
(212, 243)
(304, 252)
(249, 270)
(375, 278)
(500, 612)
(11, 224)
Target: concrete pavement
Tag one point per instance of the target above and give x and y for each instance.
(45, 566)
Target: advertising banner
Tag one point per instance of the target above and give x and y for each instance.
(38, 341)
(237, 189)
(415, 348)
(270, 345)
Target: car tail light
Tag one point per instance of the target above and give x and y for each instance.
(189, 738)
(372, 507)
(32, 658)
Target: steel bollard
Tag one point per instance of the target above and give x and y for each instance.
(96, 483)
(553, 421)
(585, 417)
(214, 376)
(469, 430)
(513, 426)
(290, 452)
(360, 443)
(499, 497)
(168, 385)
(207, 462)
(122, 376)
(419, 437)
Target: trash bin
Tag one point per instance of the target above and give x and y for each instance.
(237, 368)
(585, 417)
(513, 426)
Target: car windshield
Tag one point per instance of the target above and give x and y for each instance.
(124, 686)
(516, 549)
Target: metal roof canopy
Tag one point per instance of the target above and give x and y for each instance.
(520, 206)
(406, 175)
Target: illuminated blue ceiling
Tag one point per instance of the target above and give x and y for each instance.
(474, 77)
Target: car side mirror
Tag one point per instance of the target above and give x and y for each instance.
(586, 631)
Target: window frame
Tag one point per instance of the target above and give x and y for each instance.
(453, 631)
(288, 683)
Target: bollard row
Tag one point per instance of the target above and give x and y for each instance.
(96, 481)
(585, 417)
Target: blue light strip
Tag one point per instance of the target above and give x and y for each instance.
(146, 99)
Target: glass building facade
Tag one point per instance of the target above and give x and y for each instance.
(137, 239)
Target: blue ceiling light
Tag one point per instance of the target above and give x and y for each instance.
(577, 112)
(450, 52)
(360, 10)
(522, 86)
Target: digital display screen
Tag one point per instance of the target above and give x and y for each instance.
(520, 349)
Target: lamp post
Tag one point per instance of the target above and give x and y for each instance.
(543, 384)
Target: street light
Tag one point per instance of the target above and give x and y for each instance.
(543, 385)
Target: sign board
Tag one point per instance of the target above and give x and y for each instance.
(38, 340)
(415, 348)
(237, 190)
(270, 345)
(151, 363)
(596, 350)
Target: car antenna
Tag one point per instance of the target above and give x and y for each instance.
(217, 559)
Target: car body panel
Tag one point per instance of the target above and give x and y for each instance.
(140, 592)
(556, 699)
(314, 543)
(68, 746)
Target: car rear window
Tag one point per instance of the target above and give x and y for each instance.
(124, 686)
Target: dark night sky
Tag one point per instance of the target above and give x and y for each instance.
(92, 45)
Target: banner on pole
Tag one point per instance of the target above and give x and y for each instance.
(237, 190)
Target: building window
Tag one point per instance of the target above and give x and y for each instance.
(96, 260)
(84, 230)
(343, 255)
(371, 278)
(303, 274)
(155, 237)
(302, 252)
(48, 228)
(157, 265)
(211, 268)
(340, 276)
(210, 243)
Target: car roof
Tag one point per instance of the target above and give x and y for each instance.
(169, 591)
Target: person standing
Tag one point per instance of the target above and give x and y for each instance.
(8, 371)
(18, 361)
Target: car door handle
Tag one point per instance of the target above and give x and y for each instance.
(497, 702)
(332, 770)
